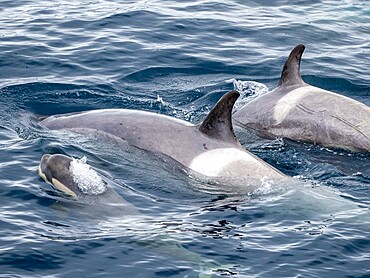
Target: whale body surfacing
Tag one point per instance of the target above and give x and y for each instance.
(210, 148)
(301, 112)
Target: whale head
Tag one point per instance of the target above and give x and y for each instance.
(55, 170)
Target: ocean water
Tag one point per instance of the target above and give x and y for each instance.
(177, 58)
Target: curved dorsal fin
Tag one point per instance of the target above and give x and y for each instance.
(291, 74)
(218, 123)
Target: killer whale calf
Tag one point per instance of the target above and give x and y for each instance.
(209, 148)
(77, 181)
(66, 174)
(301, 112)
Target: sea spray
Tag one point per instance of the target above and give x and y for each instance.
(86, 178)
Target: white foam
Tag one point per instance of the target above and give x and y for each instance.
(249, 90)
(267, 187)
(86, 178)
(160, 100)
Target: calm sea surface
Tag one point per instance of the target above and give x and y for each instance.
(177, 58)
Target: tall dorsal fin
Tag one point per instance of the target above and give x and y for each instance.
(291, 74)
(218, 123)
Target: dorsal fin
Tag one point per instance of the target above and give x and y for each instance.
(291, 74)
(218, 123)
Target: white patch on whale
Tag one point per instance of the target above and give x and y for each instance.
(214, 162)
(288, 102)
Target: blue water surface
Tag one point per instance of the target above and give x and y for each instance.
(177, 58)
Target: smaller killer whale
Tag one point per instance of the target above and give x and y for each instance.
(298, 111)
(209, 148)
(58, 171)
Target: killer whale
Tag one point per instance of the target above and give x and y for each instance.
(76, 181)
(298, 111)
(209, 148)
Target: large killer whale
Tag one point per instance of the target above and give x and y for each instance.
(301, 112)
(209, 148)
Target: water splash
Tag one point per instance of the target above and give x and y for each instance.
(160, 100)
(86, 178)
(249, 90)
